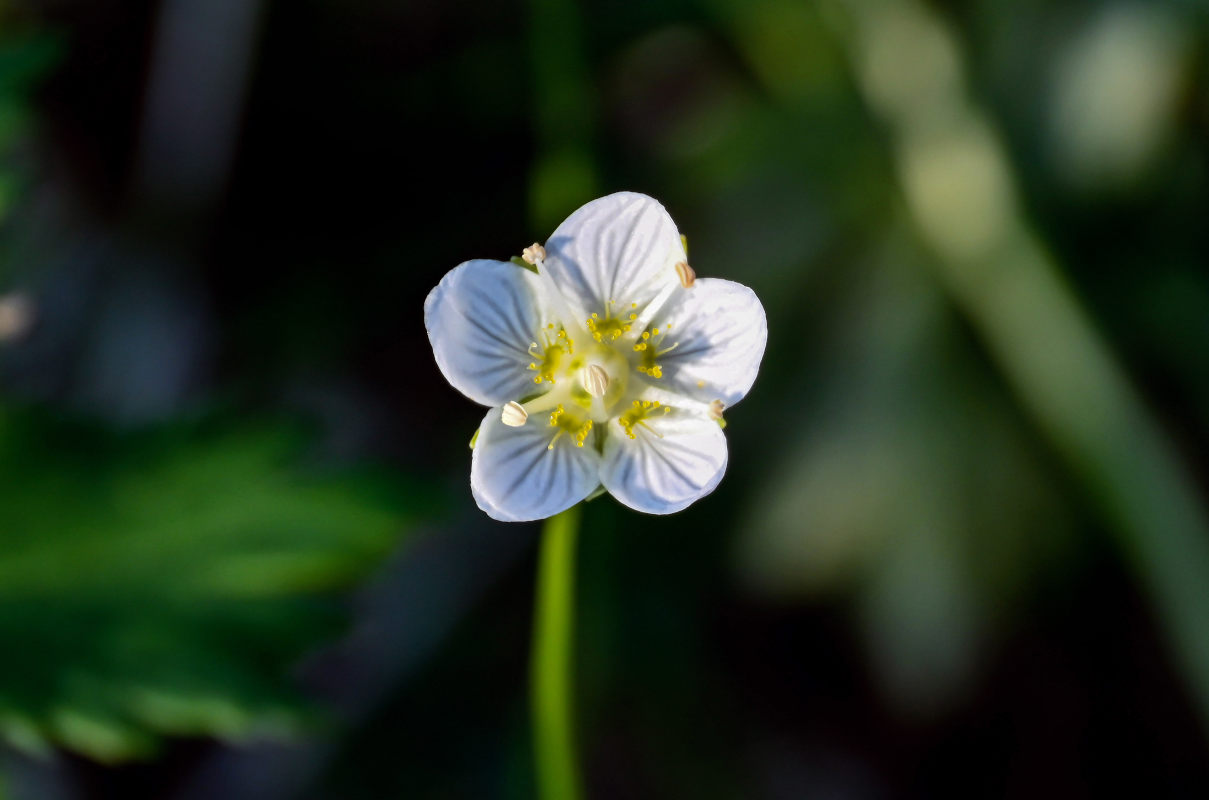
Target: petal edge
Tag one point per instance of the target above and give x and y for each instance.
(665, 475)
(722, 331)
(515, 478)
(480, 320)
(618, 247)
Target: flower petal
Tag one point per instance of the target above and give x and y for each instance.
(720, 330)
(515, 478)
(481, 318)
(621, 247)
(663, 475)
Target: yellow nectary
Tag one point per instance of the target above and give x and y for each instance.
(638, 413)
(569, 423)
(553, 355)
(611, 328)
(648, 350)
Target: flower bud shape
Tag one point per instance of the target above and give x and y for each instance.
(514, 415)
(686, 274)
(594, 379)
(533, 254)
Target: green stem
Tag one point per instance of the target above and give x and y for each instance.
(551, 659)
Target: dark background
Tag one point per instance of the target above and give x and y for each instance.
(961, 549)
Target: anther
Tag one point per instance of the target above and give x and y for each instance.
(686, 274)
(594, 379)
(533, 254)
(715, 410)
(514, 414)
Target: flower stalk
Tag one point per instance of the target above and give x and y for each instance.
(551, 660)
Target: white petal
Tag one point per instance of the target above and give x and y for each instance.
(621, 247)
(481, 318)
(720, 330)
(664, 475)
(515, 478)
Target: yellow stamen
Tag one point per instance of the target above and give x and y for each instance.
(638, 413)
(551, 359)
(568, 424)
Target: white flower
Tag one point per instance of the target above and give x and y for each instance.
(609, 366)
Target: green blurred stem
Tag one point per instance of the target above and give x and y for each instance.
(551, 659)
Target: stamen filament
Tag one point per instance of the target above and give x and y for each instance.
(649, 428)
(653, 392)
(652, 308)
(541, 403)
(568, 319)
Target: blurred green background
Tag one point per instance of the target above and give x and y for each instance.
(962, 546)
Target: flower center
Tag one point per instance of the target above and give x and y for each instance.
(587, 383)
(648, 346)
(594, 378)
(602, 381)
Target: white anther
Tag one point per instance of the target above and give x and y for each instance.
(514, 414)
(715, 410)
(594, 379)
(533, 254)
(686, 274)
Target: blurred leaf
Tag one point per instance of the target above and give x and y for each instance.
(164, 583)
(14, 120)
(25, 58)
(960, 187)
(918, 490)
